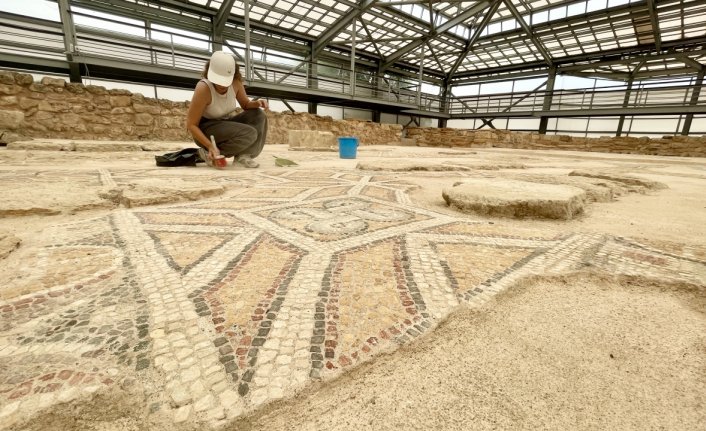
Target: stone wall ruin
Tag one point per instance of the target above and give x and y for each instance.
(53, 108)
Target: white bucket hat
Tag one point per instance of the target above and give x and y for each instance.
(221, 69)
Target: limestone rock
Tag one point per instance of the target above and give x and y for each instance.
(53, 82)
(623, 179)
(42, 145)
(311, 140)
(61, 197)
(516, 199)
(165, 146)
(10, 119)
(97, 146)
(397, 165)
(9, 137)
(8, 243)
(137, 195)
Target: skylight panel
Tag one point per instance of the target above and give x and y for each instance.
(613, 3)
(594, 5)
(510, 24)
(275, 15)
(299, 10)
(576, 9)
(179, 36)
(257, 10)
(91, 18)
(493, 28)
(557, 13)
(540, 17)
(341, 7)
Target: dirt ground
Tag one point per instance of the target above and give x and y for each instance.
(584, 351)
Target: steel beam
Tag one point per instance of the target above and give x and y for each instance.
(70, 46)
(599, 112)
(219, 21)
(654, 21)
(459, 19)
(626, 99)
(334, 30)
(546, 106)
(469, 45)
(513, 10)
(695, 93)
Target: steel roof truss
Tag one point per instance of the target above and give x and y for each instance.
(469, 45)
(219, 22)
(432, 34)
(527, 30)
(331, 32)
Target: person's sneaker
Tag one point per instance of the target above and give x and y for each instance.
(247, 161)
(205, 156)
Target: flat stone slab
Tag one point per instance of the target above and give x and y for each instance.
(313, 140)
(96, 146)
(622, 179)
(107, 146)
(165, 146)
(516, 199)
(137, 195)
(42, 145)
(395, 165)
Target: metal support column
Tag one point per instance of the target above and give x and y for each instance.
(546, 106)
(312, 70)
(625, 105)
(445, 105)
(353, 34)
(217, 44)
(248, 56)
(313, 107)
(70, 48)
(421, 75)
(694, 99)
(445, 91)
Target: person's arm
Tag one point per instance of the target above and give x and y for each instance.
(243, 99)
(199, 101)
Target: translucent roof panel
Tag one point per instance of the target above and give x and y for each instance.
(309, 18)
(484, 34)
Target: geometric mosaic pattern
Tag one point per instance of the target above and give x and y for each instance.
(225, 304)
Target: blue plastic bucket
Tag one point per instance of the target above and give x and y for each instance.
(347, 147)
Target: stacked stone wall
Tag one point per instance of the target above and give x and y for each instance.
(54, 108)
(691, 146)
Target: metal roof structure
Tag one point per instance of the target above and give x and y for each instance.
(385, 54)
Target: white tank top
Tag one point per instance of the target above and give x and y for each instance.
(222, 105)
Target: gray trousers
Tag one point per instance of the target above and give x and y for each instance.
(243, 134)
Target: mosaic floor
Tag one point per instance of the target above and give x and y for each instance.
(216, 307)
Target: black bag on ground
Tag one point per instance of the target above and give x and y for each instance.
(185, 157)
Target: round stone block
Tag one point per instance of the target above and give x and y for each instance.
(516, 199)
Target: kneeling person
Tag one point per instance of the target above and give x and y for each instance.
(211, 113)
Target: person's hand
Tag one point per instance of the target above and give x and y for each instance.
(213, 152)
(263, 104)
